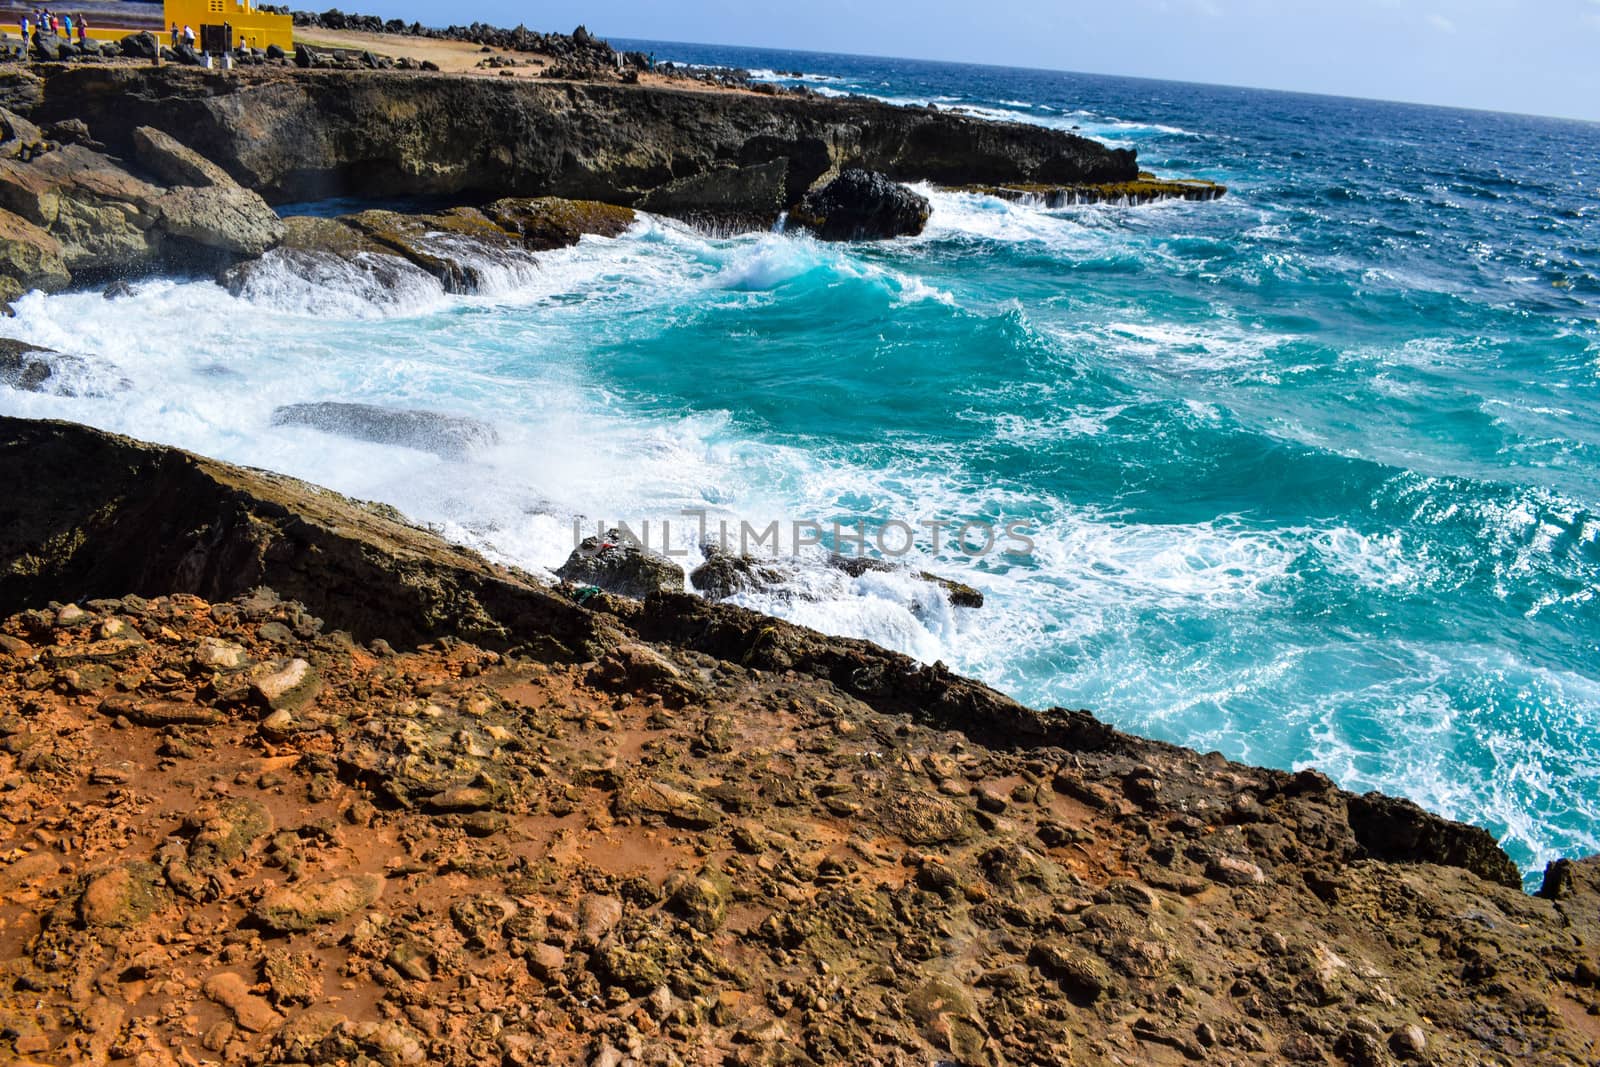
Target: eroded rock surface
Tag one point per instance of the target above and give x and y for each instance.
(695, 835)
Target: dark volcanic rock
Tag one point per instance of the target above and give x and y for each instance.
(617, 564)
(294, 135)
(725, 574)
(446, 436)
(138, 519)
(1394, 829)
(141, 46)
(862, 206)
(24, 366)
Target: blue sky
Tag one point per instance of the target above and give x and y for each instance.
(1537, 56)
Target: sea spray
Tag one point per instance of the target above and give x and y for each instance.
(1309, 471)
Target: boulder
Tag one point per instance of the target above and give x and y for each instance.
(297, 908)
(224, 218)
(34, 370)
(725, 574)
(549, 222)
(747, 197)
(861, 205)
(104, 218)
(30, 256)
(173, 162)
(122, 897)
(450, 437)
(618, 564)
(21, 90)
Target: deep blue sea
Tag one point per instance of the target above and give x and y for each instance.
(1311, 473)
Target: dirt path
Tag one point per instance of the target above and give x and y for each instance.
(464, 57)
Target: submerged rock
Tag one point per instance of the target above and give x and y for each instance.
(31, 369)
(860, 205)
(617, 564)
(450, 437)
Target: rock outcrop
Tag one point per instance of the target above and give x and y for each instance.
(303, 135)
(456, 248)
(446, 436)
(858, 205)
(618, 564)
(509, 827)
(69, 210)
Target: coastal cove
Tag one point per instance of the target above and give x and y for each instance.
(1254, 491)
(1303, 453)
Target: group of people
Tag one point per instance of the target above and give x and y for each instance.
(45, 21)
(187, 36)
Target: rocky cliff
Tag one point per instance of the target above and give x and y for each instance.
(304, 135)
(410, 807)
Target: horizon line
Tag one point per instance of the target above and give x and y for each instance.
(1469, 109)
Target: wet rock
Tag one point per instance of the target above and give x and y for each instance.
(617, 564)
(725, 574)
(729, 195)
(959, 594)
(449, 437)
(296, 908)
(549, 222)
(860, 205)
(34, 370)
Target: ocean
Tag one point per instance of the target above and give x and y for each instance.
(1309, 474)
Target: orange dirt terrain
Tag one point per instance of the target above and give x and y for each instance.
(666, 832)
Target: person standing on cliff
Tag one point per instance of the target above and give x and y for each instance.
(188, 35)
(83, 30)
(174, 35)
(24, 28)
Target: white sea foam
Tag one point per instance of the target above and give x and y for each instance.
(1172, 626)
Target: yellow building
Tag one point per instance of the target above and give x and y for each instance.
(112, 22)
(252, 27)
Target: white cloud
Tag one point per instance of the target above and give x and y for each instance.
(1442, 24)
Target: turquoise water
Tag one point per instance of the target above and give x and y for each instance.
(1311, 472)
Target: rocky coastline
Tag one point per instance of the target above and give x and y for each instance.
(84, 199)
(286, 779)
(291, 781)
